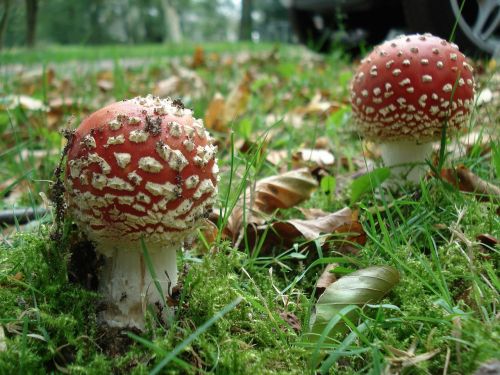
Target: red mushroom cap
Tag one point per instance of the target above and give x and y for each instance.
(141, 167)
(409, 86)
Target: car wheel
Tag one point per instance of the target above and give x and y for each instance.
(478, 25)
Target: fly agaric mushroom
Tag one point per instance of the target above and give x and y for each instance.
(403, 94)
(139, 170)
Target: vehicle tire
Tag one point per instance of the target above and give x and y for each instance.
(438, 17)
(307, 32)
(351, 30)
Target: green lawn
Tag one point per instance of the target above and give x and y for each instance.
(55, 53)
(245, 304)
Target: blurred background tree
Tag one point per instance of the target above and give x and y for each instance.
(30, 22)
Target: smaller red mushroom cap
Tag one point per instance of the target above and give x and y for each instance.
(408, 87)
(141, 167)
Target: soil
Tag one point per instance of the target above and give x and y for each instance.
(83, 264)
(113, 341)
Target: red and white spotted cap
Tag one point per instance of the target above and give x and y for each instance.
(409, 86)
(141, 167)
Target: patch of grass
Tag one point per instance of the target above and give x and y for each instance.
(56, 53)
(239, 311)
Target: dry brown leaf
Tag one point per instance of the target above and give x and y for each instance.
(487, 241)
(10, 102)
(318, 106)
(292, 320)
(107, 75)
(214, 116)
(322, 143)
(105, 85)
(463, 179)
(237, 100)
(325, 229)
(276, 157)
(198, 58)
(209, 231)
(312, 213)
(401, 358)
(340, 221)
(313, 158)
(325, 279)
(281, 191)
(484, 97)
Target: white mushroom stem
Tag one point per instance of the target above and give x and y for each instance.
(127, 285)
(406, 158)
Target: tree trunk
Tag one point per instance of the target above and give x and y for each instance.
(172, 21)
(246, 20)
(3, 21)
(31, 16)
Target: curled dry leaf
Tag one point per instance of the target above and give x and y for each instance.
(281, 191)
(359, 288)
(487, 241)
(284, 190)
(318, 106)
(278, 158)
(484, 97)
(326, 279)
(463, 179)
(214, 116)
(60, 104)
(292, 320)
(312, 213)
(198, 58)
(340, 228)
(221, 112)
(400, 359)
(313, 158)
(343, 221)
(105, 85)
(10, 102)
(209, 231)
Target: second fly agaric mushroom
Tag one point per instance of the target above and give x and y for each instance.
(403, 94)
(140, 171)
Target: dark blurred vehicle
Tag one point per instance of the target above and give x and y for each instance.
(322, 23)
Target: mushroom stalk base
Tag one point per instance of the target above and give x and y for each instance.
(406, 158)
(128, 287)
